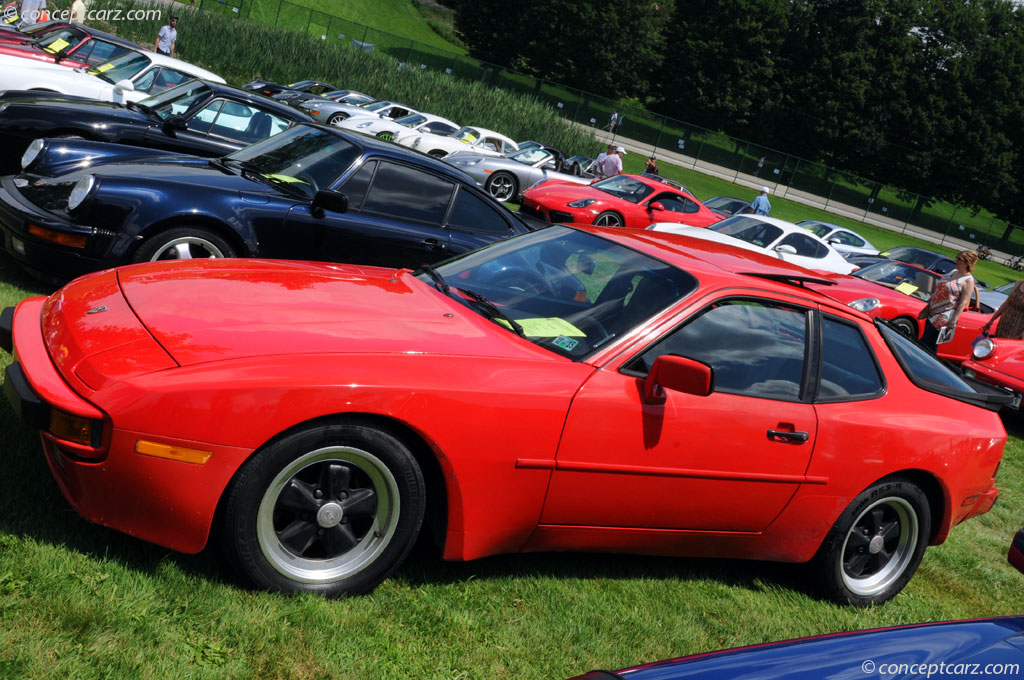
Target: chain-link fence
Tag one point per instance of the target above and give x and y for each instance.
(814, 182)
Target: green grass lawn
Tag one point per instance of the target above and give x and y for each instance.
(398, 17)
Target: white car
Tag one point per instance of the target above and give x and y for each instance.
(334, 113)
(846, 241)
(475, 139)
(771, 236)
(130, 77)
(387, 129)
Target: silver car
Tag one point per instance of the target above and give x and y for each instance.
(332, 113)
(505, 177)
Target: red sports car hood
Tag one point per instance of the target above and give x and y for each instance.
(563, 191)
(1008, 357)
(230, 309)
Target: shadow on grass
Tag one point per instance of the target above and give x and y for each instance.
(422, 570)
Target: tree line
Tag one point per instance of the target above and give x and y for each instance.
(926, 95)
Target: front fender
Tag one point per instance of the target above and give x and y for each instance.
(61, 156)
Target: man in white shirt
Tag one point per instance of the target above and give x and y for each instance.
(598, 170)
(166, 38)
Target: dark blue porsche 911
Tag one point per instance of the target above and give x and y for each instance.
(309, 193)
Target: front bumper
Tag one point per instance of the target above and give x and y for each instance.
(167, 502)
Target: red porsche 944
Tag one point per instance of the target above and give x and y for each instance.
(575, 388)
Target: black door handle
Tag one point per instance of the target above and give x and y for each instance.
(779, 435)
(433, 243)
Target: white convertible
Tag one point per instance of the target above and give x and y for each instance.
(771, 236)
(387, 129)
(477, 140)
(130, 77)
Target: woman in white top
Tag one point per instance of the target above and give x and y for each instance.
(952, 294)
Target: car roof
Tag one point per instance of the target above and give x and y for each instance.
(191, 69)
(110, 37)
(255, 99)
(491, 133)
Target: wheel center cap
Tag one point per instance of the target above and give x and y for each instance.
(876, 545)
(330, 514)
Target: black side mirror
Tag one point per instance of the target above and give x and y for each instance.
(176, 123)
(328, 200)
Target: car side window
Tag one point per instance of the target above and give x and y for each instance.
(805, 246)
(246, 124)
(755, 348)
(472, 213)
(203, 120)
(848, 367)
(355, 186)
(944, 266)
(408, 193)
(676, 204)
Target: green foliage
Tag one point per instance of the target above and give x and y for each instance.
(611, 47)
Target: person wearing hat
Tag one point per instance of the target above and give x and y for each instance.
(761, 205)
(166, 38)
(612, 164)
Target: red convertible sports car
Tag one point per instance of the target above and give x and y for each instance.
(634, 201)
(66, 44)
(579, 389)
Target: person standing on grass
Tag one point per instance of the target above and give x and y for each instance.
(1012, 311)
(651, 166)
(31, 11)
(78, 12)
(761, 204)
(599, 161)
(166, 38)
(952, 295)
(612, 164)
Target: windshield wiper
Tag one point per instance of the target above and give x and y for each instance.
(493, 309)
(148, 110)
(253, 172)
(439, 281)
(221, 164)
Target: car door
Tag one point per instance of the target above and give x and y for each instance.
(195, 137)
(728, 461)
(474, 221)
(674, 208)
(809, 252)
(394, 218)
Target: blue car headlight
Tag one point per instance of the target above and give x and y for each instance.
(365, 124)
(32, 153)
(81, 192)
(582, 203)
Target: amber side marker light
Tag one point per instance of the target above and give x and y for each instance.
(178, 453)
(72, 428)
(63, 238)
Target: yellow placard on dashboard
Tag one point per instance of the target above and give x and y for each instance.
(907, 288)
(546, 327)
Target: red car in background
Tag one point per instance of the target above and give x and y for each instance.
(72, 45)
(573, 388)
(998, 361)
(634, 201)
(898, 291)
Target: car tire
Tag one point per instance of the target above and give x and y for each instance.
(331, 510)
(502, 186)
(183, 243)
(437, 153)
(876, 545)
(906, 327)
(336, 119)
(609, 218)
(386, 136)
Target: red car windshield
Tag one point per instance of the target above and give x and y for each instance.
(567, 291)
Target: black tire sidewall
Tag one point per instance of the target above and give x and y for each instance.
(828, 563)
(240, 541)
